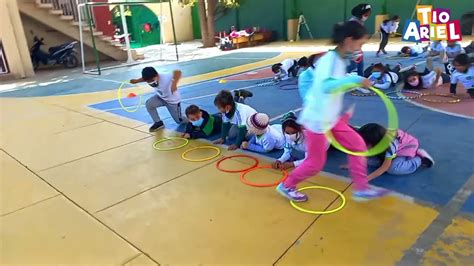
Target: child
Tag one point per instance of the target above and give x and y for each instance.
(295, 147)
(412, 51)
(388, 27)
(382, 78)
(265, 137)
(305, 80)
(436, 48)
(284, 69)
(429, 79)
(464, 74)
(360, 14)
(233, 114)
(452, 50)
(402, 157)
(201, 124)
(321, 113)
(165, 86)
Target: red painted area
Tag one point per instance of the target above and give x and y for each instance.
(255, 74)
(103, 21)
(465, 107)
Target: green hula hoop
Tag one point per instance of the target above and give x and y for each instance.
(155, 145)
(389, 136)
(119, 98)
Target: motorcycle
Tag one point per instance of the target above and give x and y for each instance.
(63, 54)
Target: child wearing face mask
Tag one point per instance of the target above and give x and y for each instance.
(264, 137)
(322, 113)
(463, 73)
(388, 27)
(360, 14)
(165, 86)
(294, 152)
(201, 124)
(234, 115)
(429, 79)
(382, 77)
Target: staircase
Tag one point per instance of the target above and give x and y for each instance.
(62, 15)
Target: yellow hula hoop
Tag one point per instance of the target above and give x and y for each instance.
(218, 152)
(155, 145)
(119, 98)
(343, 203)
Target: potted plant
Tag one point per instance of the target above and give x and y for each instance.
(292, 23)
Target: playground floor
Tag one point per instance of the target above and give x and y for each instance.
(82, 184)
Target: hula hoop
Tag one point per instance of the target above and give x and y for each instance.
(155, 145)
(119, 98)
(218, 152)
(389, 136)
(245, 181)
(218, 164)
(360, 94)
(343, 203)
(417, 95)
(455, 99)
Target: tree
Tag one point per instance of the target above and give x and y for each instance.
(207, 16)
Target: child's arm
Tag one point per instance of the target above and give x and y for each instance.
(176, 78)
(332, 84)
(382, 169)
(438, 76)
(135, 81)
(267, 145)
(286, 154)
(383, 86)
(225, 127)
(240, 137)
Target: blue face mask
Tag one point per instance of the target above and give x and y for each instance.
(376, 74)
(198, 122)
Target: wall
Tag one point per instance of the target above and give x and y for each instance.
(14, 42)
(182, 21)
(53, 38)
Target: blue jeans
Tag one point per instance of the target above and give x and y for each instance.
(360, 67)
(404, 165)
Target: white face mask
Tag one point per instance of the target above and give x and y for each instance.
(293, 137)
(364, 18)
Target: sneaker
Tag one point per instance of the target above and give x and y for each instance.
(362, 90)
(426, 159)
(368, 194)
(384, 52)
(377, 54)
(291, 193)
(156, 126)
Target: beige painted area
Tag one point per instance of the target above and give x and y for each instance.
(376, 232)
(141, 260)
(19, 187)
(454, 246)
(14, 42)
(182, 21)
(56, 231)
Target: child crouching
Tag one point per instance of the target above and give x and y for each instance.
(201, 124)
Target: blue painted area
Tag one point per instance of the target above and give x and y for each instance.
(84, 84)
(469, 205)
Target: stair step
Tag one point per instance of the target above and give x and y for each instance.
(105, 38)
(98, 33)
(69, 18)
(56, 12)
(45, 6)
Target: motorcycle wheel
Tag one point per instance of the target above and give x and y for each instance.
(71, 61)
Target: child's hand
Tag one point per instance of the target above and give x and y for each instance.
(366, 83)
(186, 136)
(438, 71)
(174, 87)
(219, 141)
(287, 165)
(134, 81)
(233, 147)
(276, 164)
(244, 145)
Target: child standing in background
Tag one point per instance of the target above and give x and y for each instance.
(388, 27)
(265, 137)
(322, 112)
(402, 157)
(233, 115)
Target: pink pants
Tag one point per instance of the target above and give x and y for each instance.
(316, 147)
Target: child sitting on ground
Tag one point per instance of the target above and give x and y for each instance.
(463, 73)
(165, 86)
(234, 115)
(402, 157)
(429, 79)
(264, 137)
(201, 124)
(412, 51)
(295, 147)
(288, 67)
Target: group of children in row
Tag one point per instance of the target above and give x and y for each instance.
(303, 140)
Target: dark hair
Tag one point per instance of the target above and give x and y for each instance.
(360, 10)
(276, 68)
(420, 79)
(405, 49)
(395, 17)
(380, 66)
(224, 98)
(303, 62)
(372, 134)
(313, 58)
(289, 120)
(349, 29)
(463, 60)
(192, 110)
(148, 73)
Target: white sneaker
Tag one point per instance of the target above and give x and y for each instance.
(426, 158)
(362, 90)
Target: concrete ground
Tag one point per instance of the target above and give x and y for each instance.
(82, 184)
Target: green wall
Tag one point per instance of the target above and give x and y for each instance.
(321, 15)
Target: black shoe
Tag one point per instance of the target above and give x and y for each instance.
(384, 52)
(243, 94)
(156, 126)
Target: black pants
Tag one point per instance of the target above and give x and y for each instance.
(293, 70)
(384, 40)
